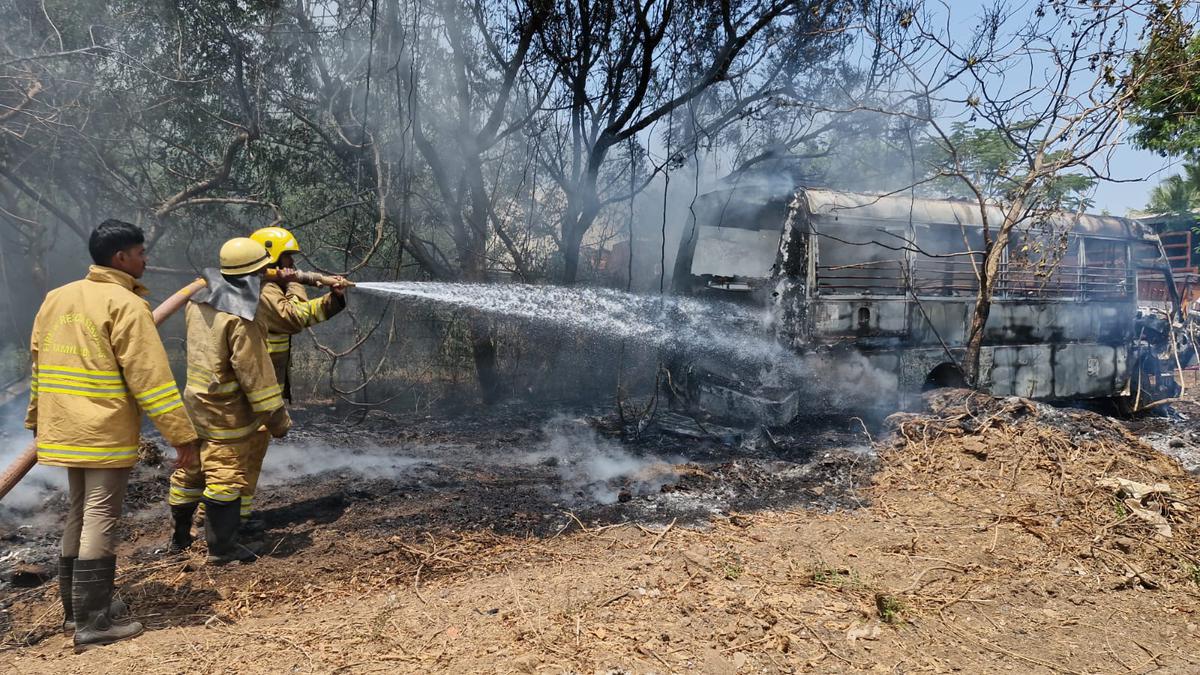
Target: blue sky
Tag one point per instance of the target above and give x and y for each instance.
(1129, 162)
(1142, 169)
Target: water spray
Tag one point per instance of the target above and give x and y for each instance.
(679, 323)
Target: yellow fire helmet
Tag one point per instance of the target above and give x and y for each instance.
(277, 241)
(243, 255)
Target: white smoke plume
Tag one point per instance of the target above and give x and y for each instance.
(289, 461)
(588, 467)
(41, 483)
(596, 468)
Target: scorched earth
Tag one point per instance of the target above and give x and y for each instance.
(977, 535)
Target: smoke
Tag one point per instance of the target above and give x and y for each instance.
(588, 468)
(598, 469)
(864, 152)
(845, 380)
(659, 224)
(289, 461)
(662, 213)
(24, 502)
(867, 152)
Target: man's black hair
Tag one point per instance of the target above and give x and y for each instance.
(111, 237)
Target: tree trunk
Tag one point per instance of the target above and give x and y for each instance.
(983, 309)
(483, 345)
(989, 275)
(572, 241)
(575, 225)
(483, 349)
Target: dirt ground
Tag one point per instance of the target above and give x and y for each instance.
(985, 535)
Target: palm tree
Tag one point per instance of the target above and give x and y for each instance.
(1175, 195)
(1191, 170)
(1178, 196)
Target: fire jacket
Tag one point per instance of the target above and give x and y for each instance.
(98, 362)
(231, 387)
(289, 311)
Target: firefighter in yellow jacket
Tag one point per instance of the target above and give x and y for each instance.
(231, 394)
(286, 310)
(98, 364)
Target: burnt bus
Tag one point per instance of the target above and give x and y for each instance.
(888, 284)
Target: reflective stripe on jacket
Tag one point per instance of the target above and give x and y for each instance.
(289, 311)
(98, 362)
(231, 386)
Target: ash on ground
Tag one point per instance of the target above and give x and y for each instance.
(511, 470)
(535, 473)
(1173, 433)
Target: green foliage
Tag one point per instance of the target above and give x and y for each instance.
(732, 571)
(998, 162)
(1174, 195)
(1167, 79)
(1178, 197)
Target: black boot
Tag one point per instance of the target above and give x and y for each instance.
(251, 535)
(181, 537)
(222, 520)
(66, 570)
(253, 523)
(118, 610)
(91, 598)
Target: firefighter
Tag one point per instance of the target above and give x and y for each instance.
(232, 395)
(98, 363)
(286, 310)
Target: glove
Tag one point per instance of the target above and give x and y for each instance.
(279, 423)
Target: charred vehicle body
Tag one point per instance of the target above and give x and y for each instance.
(875, 295)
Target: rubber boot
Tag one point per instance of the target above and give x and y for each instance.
(253, 523)
(91, 598)
(118, 610)
(251, 534)
(181, 537)
(222, 520)
(66, 570)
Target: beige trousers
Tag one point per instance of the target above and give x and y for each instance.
(96, 498)
(222, 472)
(254, 462)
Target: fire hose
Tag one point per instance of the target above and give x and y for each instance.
(26, 461)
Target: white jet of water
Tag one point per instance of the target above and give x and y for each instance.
(680, 323)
